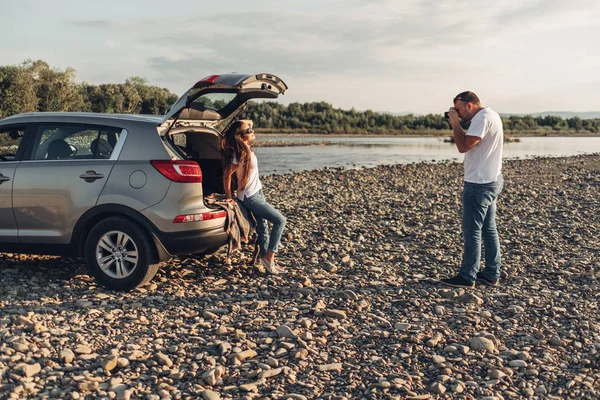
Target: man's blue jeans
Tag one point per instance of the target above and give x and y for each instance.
(263, 212)
(479, 220)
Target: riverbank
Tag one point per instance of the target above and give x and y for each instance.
(417, 134)
(288, 143)
(360, 314)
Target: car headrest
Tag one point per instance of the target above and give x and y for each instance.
(59, 149)
(100, 148)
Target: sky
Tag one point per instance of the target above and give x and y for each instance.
(387, 56)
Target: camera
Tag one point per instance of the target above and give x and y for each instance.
(447, 115)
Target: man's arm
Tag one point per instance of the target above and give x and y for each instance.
(463, 141)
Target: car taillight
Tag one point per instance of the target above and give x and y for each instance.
(199, 217)
(179, 170)
(209, 79)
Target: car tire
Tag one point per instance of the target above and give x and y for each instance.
(120, 254)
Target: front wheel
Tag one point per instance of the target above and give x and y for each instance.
(119, 254)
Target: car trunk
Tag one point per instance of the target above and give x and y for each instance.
(193, 124)
(202, 146)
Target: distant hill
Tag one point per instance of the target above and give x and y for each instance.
(562, 114)
(397, 114)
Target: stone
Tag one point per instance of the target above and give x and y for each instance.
(402, 326)
(163, 359)
(213, 375)
(82, 349)
(224, 348)
(434, 340)
(301, 354)
(251, 387)
(66, 356)
(437, 388)
(329, 267)
(109, 363)
(497, 374)
(270, 373)
(284, 331)
(30, 370)
(242, 355)
(122, 362)
(210, 395)
(330, 367)
(339, 314)
(438, 359)
(481, 343)
(517, 364)
(470, 298)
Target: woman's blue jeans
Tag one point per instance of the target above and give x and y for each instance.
(479, 220)
(263, 212)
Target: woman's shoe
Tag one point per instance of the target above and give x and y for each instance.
(280, 270)
(271, 267)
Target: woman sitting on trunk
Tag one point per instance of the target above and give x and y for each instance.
(239, 159)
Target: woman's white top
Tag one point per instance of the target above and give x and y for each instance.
(253, 185)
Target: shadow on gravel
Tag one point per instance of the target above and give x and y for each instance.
(39, 270)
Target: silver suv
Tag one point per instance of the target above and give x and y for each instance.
(126, 192)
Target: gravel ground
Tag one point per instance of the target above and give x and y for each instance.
(360, 315)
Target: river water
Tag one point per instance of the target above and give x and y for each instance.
(356, 152)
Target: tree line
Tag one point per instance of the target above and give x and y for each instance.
(36, 86)
(321, 117)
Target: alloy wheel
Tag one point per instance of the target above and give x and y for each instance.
(117, 254)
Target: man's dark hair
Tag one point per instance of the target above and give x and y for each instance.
(467, 96)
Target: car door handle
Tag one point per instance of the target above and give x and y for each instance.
(91, 176)
(4, 178)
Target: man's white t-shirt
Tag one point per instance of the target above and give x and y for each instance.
(483, 162)
(253, 185)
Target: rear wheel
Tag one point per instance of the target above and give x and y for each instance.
(120, 254)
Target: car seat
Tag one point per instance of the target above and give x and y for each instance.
(100, 148)
(59, 149)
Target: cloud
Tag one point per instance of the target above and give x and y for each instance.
(382, 43)
(380, 35)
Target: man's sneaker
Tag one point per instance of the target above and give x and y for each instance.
(457, 281)
(485, 280)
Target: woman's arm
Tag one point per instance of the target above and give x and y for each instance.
(227, 173)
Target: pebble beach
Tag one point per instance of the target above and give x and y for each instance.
(360, 314)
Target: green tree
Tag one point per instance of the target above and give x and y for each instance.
(55, 89)
(17, 92)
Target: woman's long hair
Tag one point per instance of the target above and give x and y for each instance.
(232, 145)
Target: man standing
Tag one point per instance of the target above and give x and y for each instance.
(482, 145)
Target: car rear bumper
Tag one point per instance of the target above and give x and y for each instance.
(192, 242)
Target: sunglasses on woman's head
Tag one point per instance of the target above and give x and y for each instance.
(247, 131)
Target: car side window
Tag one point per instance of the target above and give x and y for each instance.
(10, 140)
(103, 146)
(74, 142)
